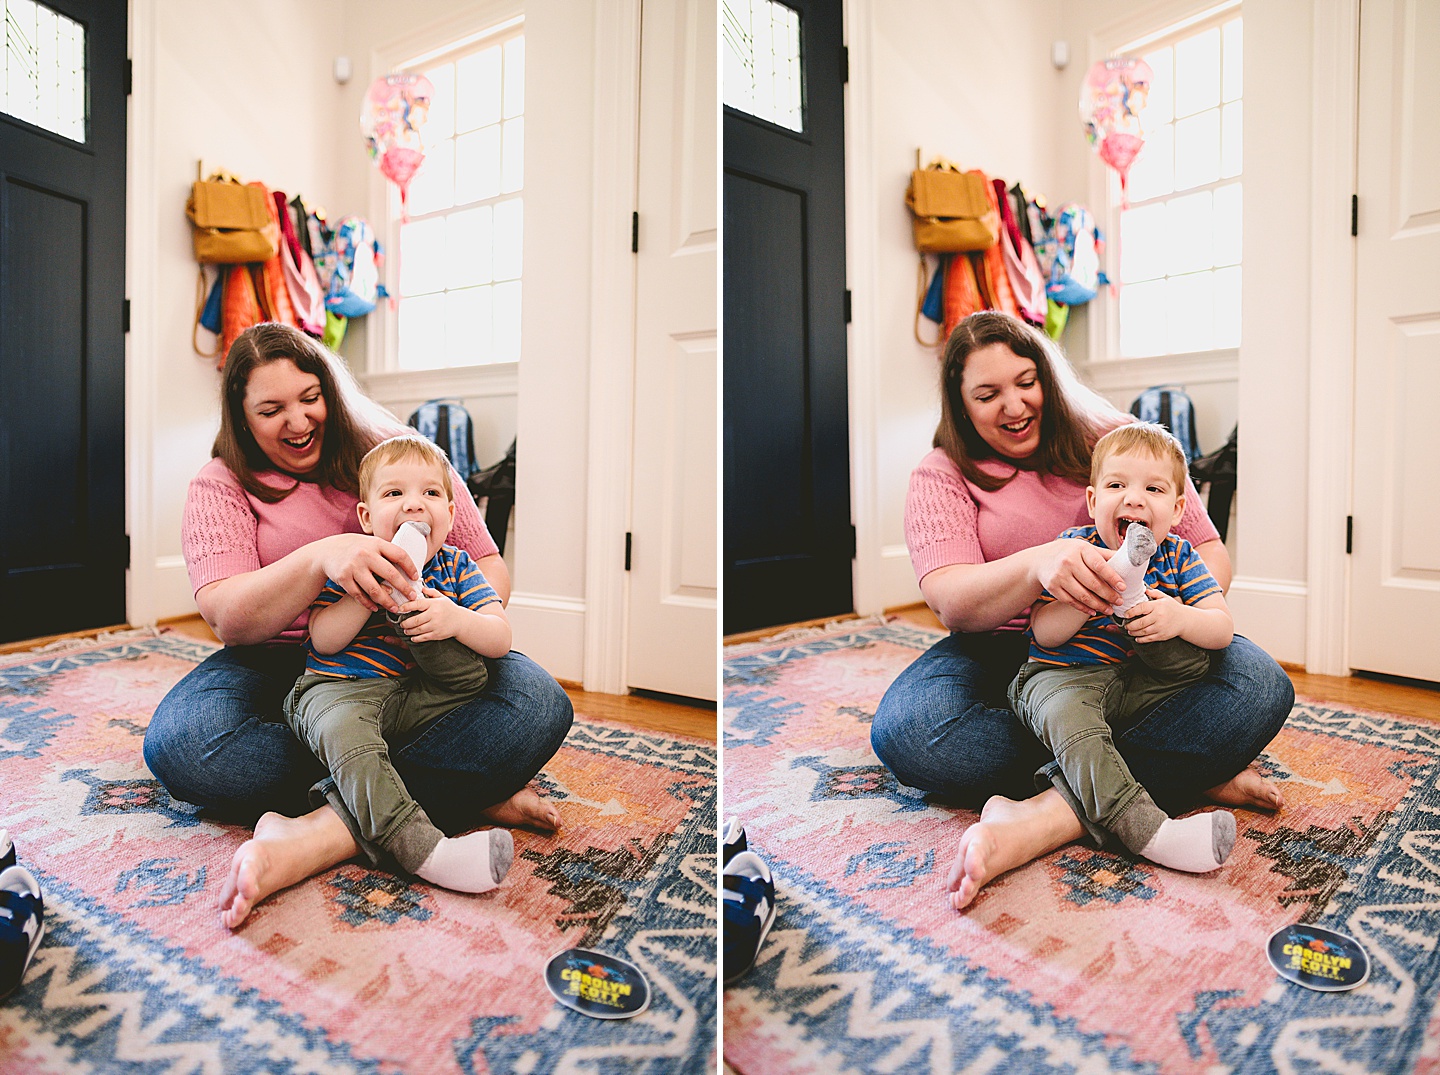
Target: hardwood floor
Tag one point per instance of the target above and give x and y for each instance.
(636, 711)
(1360, 691)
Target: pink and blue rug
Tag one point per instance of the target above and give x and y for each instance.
(357, 970)
(1084, 961)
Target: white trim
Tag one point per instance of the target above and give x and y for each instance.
(142, 582)
(1334, 126)
(871, 580)
(1207, 367)
(1272, 614)
(500, 379)
(552, 627)
(609, 464)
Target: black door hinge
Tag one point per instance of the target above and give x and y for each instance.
(627, 550)
(854, 542)
(1354, 215)
(847, 306)
(844, 65)
(1349, 534)
(125, 548)
(129, 76)
(634, 233)
(125, 317)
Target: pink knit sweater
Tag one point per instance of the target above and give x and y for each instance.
(226, 531)
(950, 521)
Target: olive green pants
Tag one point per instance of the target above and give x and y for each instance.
(1071, 708)
(346, 723)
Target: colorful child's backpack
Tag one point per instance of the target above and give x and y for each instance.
(355, 273)
(1075, 275)
(1169, 406)
(448, 424)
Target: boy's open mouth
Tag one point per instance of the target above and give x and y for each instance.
(1122, 524)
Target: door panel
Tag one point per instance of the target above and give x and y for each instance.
(1395, 570)
(788, 546)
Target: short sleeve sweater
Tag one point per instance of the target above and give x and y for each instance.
(950, 521)
(225, 531)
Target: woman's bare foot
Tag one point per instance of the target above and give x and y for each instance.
(526, 808)
(284, 851)
(1247, 788)
(1009, 834)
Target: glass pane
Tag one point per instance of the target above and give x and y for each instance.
(1234, 60)
(1227, 307)
(471, 231)
(1191, 314)
(1159, 106)
(512, 156)
(44, 75)
(1143, 311)
(1227, 225)
(762, 73)
(507, 323)
(1232, 125)
(422, 332)
(441, 123)
(1197, 72)
(1197, 150)
(1144, 240)
(509, 231)
(477, 165)
(1190, 224)
(424, 257)
(514, 77)
(1153, 173)
(477, 89)
(433, 187)
(467, 327)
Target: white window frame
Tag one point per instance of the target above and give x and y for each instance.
(382, 348)
(1133, 35)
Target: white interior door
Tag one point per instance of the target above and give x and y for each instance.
(1395, 568)
(674, 612)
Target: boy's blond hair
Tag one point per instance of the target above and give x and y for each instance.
(401, 449)
(1155, 440)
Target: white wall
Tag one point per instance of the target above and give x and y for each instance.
(294, 128)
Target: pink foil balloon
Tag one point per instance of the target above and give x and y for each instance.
(1112, 96)
(395, 108)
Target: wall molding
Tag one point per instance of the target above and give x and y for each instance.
(1207, 367)
(1272, 614)
(499, 379)
(551, 630)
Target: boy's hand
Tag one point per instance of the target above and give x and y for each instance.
(435, 617)
(1156, 619)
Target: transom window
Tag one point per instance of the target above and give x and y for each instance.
(460, 252)
(44, 77)
(1179, 238)
(762, 76)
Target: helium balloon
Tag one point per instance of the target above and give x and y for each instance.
(396, 107)
(1114, 93)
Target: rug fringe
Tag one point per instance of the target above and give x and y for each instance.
(63, 645)
(803, 634)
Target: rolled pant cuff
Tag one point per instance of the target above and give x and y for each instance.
(1050, 776)
(325, 793)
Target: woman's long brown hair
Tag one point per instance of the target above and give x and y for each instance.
(350, 431)
(1067, 432)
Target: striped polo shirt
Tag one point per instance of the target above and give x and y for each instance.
(377, 651)
(1175, 569)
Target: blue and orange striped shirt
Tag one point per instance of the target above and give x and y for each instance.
(1175, 570)
(377, 651)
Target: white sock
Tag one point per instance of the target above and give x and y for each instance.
(475, 862)
(1131, 560)
(1196, 844)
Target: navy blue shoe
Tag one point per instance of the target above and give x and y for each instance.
(749, 912)
(7, 850)
(732, 841)
(22, 925)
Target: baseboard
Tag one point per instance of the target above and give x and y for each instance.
(888, 583)
(1271, 613)
(170, 587)
(550, 630)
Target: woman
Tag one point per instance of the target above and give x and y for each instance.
(1007, 474)
(266, 522)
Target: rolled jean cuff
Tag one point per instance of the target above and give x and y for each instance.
(325, 793)
(1050, 776)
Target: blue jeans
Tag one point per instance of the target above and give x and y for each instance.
(218, 739)
(945, 726)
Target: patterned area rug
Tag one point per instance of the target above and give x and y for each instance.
(357, 970)
(1083, 961)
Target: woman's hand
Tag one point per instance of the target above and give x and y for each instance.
(1076, 574)
(361, 565)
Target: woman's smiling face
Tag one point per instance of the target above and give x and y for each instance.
(285, 413)
(1003, 400)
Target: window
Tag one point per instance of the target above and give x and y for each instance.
(762, 74)
(459, 280)
(1178, 250)
(44, 76)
